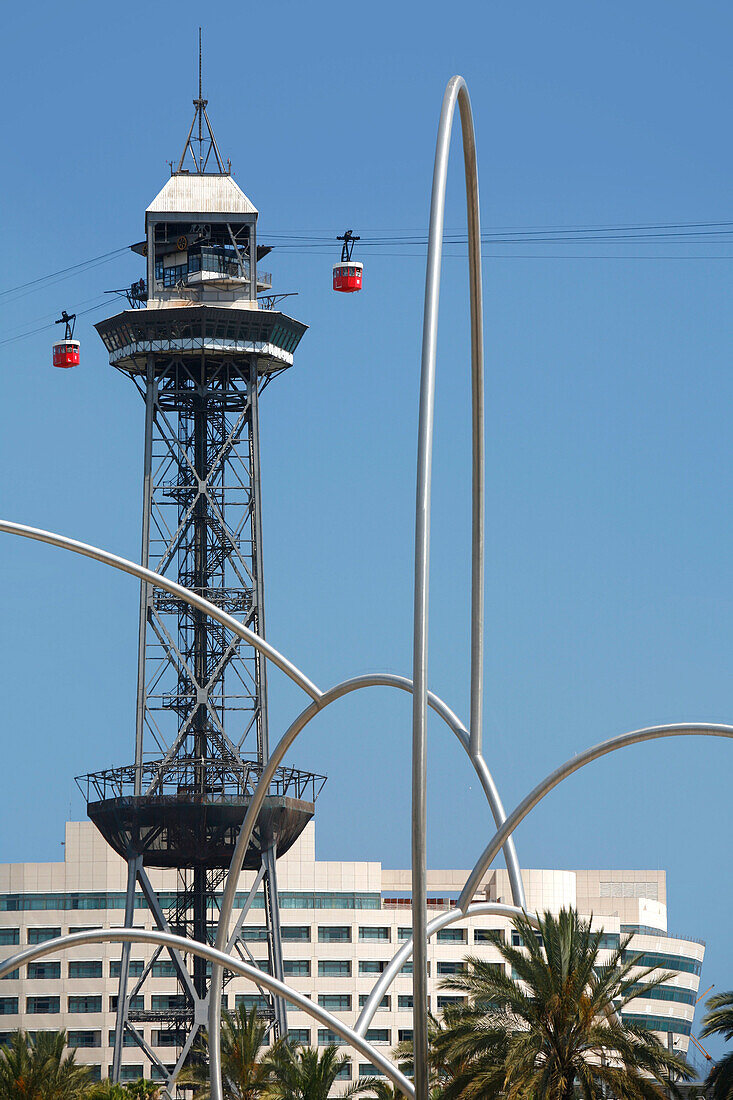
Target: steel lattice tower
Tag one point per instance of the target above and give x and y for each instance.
(200, 348)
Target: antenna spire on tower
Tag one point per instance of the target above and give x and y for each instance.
(201, 117)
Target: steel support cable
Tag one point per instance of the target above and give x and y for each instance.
(635, 737)
(219, 959)
(50, 325)
(65, 270)
(456, 93)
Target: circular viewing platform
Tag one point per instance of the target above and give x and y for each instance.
(189, 812)
(217, 331)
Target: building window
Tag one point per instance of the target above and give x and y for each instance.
(366, 1069)
(168, 1002)
(344, 1072)
(12, 976)
(95, 1072)
(297, 968)
(488, 935)
(130, 1073)
(404, 933)
(384, 1003)
(42, 935)
(517, 940)
(137, 1003)
(370, 933)
(136, 968)
(377, 1035)
(85, 1039)
(334, 968)
(299, 1036)
(171, 1037)
(404, 1035)
(254, 934)
(669, 993)
(41, 1006)
(335, 1002)
(158, 1074)
(128, 1040)
(451, 968)
(445, 1001)
(85, 968)
(451, 935)
(248, 1001)
(8, 1006)
(164, 968)
(404, 1002)
(371, 966)
(334, 933)
(295, 933)
(664, 961)
(657, 1023)
(328, 1038)
(6, 1038)
(9, 937)
(85, 1003)
(42, 970)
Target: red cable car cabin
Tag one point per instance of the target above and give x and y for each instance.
(347, 276)
(66, 353)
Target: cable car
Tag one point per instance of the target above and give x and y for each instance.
(66, 351)
(347, 275)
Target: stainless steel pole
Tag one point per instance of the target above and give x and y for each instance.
(456, 92)
(132, 868)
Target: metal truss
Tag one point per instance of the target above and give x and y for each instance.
(201, 718)
(201, 525)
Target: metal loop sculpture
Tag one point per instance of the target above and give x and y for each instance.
(219, 956)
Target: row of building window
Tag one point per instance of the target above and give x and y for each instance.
(670, 993)
(173, 1002)
(306, 899)
(293, 933)
(658, 1023)
(294, 968)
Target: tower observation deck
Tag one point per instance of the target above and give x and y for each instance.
(200, 347)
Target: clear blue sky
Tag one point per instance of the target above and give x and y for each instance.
(609, 454)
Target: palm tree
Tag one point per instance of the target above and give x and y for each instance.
(719, 1021)
(444, 1064)
(245, 1070)
(38, 1069)
(302, 1073)
(552, 1030)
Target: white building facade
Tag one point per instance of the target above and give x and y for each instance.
(341, 922)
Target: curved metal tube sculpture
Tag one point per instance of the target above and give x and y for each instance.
(217, 958)
(635, 737)
(398, 960)
(455, 93)
(320, 699)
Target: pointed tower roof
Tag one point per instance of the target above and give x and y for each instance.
(191, 193)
